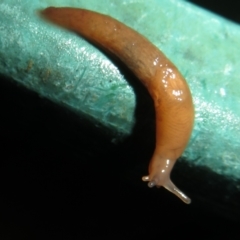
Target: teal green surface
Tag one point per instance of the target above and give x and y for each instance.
(68, 70)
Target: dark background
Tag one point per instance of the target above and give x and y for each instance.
(228, 9)
(62, 178)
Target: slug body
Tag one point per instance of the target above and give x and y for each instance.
(167, 87)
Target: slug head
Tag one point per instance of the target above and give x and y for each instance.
(159, 176)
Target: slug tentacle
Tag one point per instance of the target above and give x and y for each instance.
(167, 87)
(159, 176)
(170, 187)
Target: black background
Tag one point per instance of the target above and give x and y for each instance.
(227, 9)
(62, 178)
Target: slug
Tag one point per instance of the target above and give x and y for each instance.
(165, 84)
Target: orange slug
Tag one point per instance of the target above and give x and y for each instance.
(167, 87)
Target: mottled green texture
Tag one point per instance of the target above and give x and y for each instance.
(66, 69)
